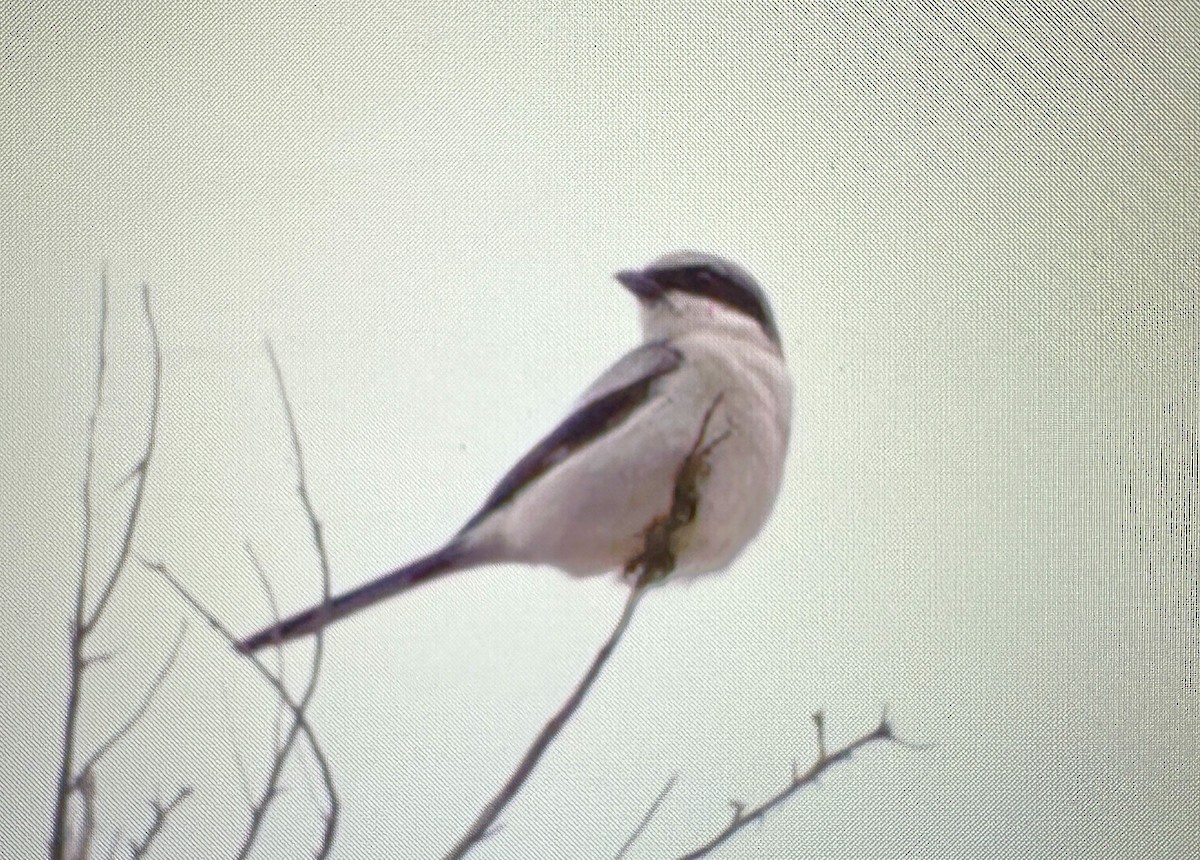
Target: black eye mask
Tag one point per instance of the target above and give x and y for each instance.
(703, 280)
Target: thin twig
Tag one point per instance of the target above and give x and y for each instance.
(548, 733)
(259, 810)
(66, 772)
(280, 710)
(300, 725)
(90, 468)
(161, 813)
(647, 817)
(743, 816)
(120, 734)
(273, 604)
(141, 468)
(299, 715)
(234, 751)
(655, 562)
(80, 831)
(83, 624)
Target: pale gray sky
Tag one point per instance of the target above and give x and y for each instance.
(979, 229)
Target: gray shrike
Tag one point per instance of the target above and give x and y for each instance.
(582, 499)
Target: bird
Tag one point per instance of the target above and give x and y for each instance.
(582, 499)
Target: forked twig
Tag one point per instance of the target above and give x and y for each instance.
(83, 623)
(300, 725)
(147, 699)
(139, 470)
(299, 714)
(743, 815)
(158, 820)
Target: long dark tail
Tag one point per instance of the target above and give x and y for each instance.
(445, 560)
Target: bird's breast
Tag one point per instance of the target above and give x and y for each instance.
(749, 437)
(590, 513)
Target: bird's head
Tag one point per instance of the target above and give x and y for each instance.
(688, 291)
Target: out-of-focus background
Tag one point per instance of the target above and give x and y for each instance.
(979, 229)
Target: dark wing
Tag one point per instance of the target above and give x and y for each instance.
(610, 400)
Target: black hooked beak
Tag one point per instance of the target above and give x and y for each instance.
(641, 285)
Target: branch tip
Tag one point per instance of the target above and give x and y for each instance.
(818, 719)
(647, 817)
(826, 759)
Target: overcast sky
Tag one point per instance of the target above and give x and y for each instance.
(979, 231)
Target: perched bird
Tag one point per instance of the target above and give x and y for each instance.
(583, 498)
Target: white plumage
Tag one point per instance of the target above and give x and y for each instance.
(582, 498)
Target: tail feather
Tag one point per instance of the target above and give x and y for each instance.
(309, 621)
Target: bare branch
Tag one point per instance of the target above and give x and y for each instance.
(78, 839)
(818, 719)
(96, 659)
(90, 467)
(656, 561)
(280, 710)
(268, 592)
(66, 772)
(273, 604)
(138, 850)
(547, 735)
(82, 623)
(647, 818)
(300, 717)
(140, 469)
(299, 723)
(234, 750)
(259, 810)
(302, 485)
(743, 816)
(117, 736)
